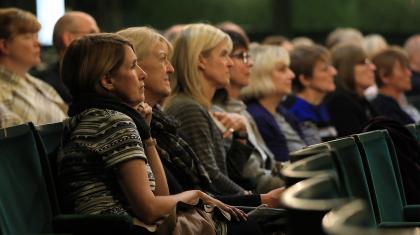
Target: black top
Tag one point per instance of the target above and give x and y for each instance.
(349, 112)
(52, 77)
(415, 84)
(389, 107)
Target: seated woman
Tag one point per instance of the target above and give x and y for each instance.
(260, 167)
(348, 108)
(153, 52)
(201, 60)
(314, 80)
(109, 163)
(393, 77)
(271, 81)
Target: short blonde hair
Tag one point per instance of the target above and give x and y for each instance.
(143, 39)
(265, 59)
(14, 21)
(193, 41)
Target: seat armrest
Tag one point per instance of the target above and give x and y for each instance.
(92, 224)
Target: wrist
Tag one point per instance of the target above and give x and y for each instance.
(150, 142)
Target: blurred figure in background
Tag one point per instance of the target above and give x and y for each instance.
(27, 97)
(393, 77)
(70, 26)
(278, 40)
(347, 105)
(344, 35)
(412, 47)
(314, 80)
(302, 41)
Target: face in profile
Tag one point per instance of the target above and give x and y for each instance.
(23, 49)
(127, 82)
(364, 74)
(216, 66)
(282, 78)
(400, 79)
(241, 68)
(322, 77)
(158, 68)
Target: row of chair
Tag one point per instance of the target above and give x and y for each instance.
(361, 167)
(28, 199)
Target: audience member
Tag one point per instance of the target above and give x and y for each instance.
(261, 164)
(344, 35)
(70, 26)
(393, 77)
(278, 40)
(348, 108)
(271, 81)
(373, 44)
(201, 61)
(314, 80)
(27, 97)
(412, 46)
(108, 150)
(229, 25)
(302, 41)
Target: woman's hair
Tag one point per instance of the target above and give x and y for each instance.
(265, 59)
(374, 43)
(344, 58)
(238, 40)
(14, 21)
(90, 58)
(303, 60)
(385, 61)
(193, 41)
(143, 39)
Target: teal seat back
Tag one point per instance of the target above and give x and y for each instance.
(386, 186)
(307, 152)
(24, 199)
(350, 171)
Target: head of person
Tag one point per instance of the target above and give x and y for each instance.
(19, 45)
(70, 26)
(153, 54)
(313, 69)
(270, 74)
(373, 44)
(231, 26)
(355, 72)
(412, 47)
(302, 41)
(201, 61)
(278, 40)
(344, 35)
(242, 62)
(392, 69)
(103, 64)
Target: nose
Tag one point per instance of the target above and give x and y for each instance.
(250, 62)
(141, 73)
(169, 68)
(333, 71)
(229, 61)
(372, 66)
(291, 73)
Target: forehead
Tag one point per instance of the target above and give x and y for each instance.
(160, 47)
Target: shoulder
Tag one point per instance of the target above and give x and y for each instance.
(181, 105)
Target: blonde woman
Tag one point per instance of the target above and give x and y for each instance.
(271, 81)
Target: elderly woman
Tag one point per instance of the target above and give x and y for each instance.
(347, 105)
(109, 163)
(28, 98)
(201, 60)
(260, 167)
(314, 80)
(271, 81)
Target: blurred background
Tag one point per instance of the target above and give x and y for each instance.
(394, 19)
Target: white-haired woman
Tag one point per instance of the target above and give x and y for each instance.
(271, 81)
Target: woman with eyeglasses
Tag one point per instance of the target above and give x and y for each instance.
(348, 107)
(260, 167)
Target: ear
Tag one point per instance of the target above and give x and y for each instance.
(384, 79)
(202, 62)
(67, 38)
(303, 80)
(106, 83)
(4, 49)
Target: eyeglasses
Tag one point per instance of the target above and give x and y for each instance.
(365, 61)
(244, 56)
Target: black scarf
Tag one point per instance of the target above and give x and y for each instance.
(177, 152)
(86, 101)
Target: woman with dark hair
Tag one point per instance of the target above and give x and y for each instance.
(348, 108)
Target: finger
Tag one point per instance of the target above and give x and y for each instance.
(228, 132)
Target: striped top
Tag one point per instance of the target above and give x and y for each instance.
(31, 99)
(96, 142)
(200, 131)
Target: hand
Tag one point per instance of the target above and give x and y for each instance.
(233, 211)
(272, 198)
(233, 122)
(146, 111)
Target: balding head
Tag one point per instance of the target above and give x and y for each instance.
(70, 26)
(412, 46)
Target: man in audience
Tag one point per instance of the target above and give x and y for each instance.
(70, 26)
